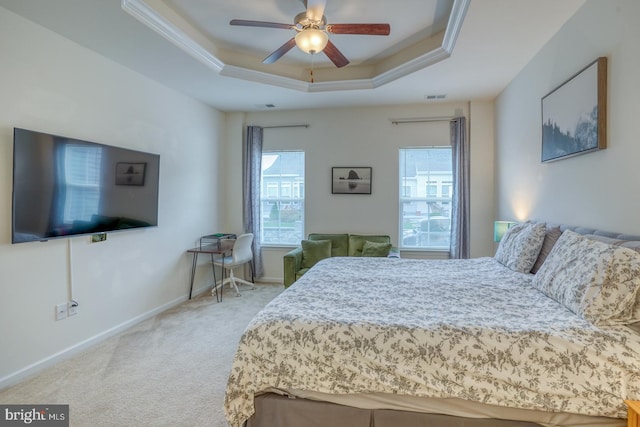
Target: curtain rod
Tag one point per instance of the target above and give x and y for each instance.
(422, 119)
(286, 126)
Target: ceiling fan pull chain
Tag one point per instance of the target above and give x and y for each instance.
(311, 70)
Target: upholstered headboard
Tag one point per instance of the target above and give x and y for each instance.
(621, 239)
(552, 234)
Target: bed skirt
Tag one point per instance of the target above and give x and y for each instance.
(276, 410)
(290, 409)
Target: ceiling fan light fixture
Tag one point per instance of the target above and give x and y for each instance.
(311, 40)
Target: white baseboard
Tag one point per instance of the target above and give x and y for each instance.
(47, 362)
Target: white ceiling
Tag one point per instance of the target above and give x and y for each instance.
(496, 40)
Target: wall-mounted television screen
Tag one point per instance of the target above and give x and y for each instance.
(66, 187)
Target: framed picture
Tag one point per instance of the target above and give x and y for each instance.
(351, 180)
(574, 115)
(130, 173)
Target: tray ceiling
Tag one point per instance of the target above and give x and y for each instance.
(422, 34)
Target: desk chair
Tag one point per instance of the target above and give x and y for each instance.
(240, 255)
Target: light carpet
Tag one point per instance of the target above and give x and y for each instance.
(170, 370)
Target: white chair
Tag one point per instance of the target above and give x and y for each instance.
(240, 255)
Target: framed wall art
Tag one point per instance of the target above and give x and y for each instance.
(574, 115)
(130, 173)
(351, 180)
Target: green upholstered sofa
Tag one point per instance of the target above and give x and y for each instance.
(295, 264)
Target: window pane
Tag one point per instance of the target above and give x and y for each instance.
(425, 201)
(446, 189)
(432, 189)
(282, 198)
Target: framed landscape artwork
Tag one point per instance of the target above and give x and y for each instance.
(574, 115)
(351, 180)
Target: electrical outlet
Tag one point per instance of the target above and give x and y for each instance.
(61, 311)
(72, 308)
(100, 237)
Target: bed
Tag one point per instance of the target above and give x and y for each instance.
(478, 342)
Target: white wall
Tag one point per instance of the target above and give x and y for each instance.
(482, 142)
(597, 189)
(50, 84)
(365, 137)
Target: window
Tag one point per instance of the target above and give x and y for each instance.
(432, 189)
(446, 188)
(425, 197)
(282, 198)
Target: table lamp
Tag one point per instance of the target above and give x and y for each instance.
(501, 227)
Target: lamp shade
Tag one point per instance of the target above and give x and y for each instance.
(311, 40)
(500, 228)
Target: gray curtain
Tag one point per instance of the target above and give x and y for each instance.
(460, 209)
(252, 164)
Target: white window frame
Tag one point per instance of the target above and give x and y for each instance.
(294, 195)
(413, 197)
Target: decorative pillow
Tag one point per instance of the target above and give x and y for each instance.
(634, 245)
(520, 246)
(375, 249)
(550, 239)
(595, 280)
(357, 241)
(604, 239)
(314, 251)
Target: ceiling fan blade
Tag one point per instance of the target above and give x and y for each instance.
(335, 55)
(315, 9)
(263, 24)
(368, 29)
(278, 53)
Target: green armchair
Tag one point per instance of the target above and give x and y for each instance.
(319, 246)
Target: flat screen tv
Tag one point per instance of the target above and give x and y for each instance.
(67, 187)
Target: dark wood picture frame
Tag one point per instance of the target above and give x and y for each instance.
(574, 115)
(351, 180)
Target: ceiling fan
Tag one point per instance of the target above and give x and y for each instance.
(313, 33)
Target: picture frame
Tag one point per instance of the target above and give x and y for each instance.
(574, 114)
(130, 173)
(351, 180)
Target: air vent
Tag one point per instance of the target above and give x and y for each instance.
(432, 97)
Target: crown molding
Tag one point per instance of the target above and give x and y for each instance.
(454, 25)
(262, 77)
(158, 23)
(418, 63)
(143, 12)
(337, 85)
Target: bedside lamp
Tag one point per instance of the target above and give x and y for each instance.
(501, 227)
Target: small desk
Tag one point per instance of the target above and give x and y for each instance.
(215, 249)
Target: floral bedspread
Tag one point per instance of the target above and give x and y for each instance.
(471, 329)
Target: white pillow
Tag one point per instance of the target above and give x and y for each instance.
(595, 280)
(520, 246)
